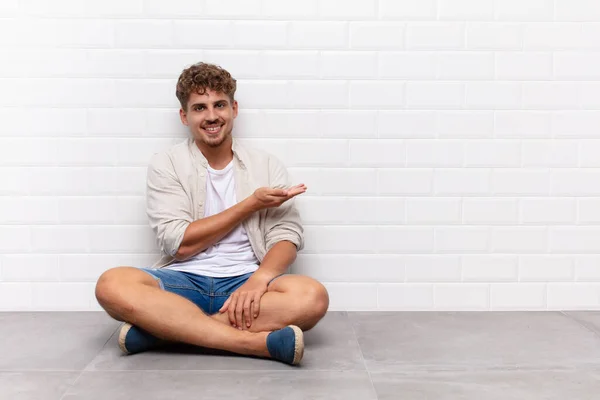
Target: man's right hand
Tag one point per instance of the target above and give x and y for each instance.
(266, 197)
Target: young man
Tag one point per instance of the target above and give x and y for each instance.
(228, 229)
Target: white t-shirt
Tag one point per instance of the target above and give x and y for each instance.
(233, 255)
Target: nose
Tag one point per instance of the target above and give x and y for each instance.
(212, 115)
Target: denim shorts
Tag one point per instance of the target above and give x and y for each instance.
(206, 292)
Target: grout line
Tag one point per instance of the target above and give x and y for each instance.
(595, 331)
(362, 357)
(71, 385)
(88, 364)
(25, 370)
(207, 371)
(420, 369)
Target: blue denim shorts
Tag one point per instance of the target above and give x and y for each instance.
(206, 292)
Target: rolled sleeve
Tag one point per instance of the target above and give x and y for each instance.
(167, 206)
(283, 222)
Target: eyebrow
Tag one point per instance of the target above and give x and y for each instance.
(214, 103)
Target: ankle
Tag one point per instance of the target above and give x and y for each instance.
(258, 344)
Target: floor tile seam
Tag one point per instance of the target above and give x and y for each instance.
(492, 368)
(101, 348)
(575, 368)
(87, 365)
(37, 370)
(214, 371)
(595, 331)
(72, 385)
(362, 356)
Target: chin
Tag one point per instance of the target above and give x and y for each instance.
(212, 142)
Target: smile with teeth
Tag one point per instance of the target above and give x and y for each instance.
(213, 129)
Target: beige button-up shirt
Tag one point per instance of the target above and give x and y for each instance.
(176, 194)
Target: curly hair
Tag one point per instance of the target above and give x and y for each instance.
(202, 76)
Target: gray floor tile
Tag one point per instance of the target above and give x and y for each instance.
(218, 385)
(331, 345)
(36, 385)
(590, 319)
(488, 385)
(52, 340)
(396, 342)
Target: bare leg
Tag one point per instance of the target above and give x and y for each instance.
(130, 295)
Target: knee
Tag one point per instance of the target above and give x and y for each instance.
(319, 298)
(316, 299)
(105, 286)
(109, 291)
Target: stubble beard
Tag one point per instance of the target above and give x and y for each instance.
(214, 142)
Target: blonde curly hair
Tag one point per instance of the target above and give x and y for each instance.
(200, 77)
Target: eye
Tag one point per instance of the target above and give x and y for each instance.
(221, 105)
(198, 108)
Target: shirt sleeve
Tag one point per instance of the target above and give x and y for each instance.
(283, 222)
(167, 205)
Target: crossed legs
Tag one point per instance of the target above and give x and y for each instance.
(128, 294)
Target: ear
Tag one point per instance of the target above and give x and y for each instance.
(235, 108)
(183, 116)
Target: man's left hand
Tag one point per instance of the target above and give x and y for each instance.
(245, 302)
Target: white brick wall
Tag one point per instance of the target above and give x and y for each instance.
(450, 147)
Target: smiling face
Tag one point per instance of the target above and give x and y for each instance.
(209, 117)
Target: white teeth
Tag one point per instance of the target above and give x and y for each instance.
(213, 129)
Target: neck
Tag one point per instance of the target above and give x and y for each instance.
(217, 157)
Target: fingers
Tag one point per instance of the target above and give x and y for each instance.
(275, 199)
(279, 196)
(294, 190)
(224, 308)
(239, 309)
(247, 311)
(279, 192)
(231, 309)
(256, 306)
(269, 197)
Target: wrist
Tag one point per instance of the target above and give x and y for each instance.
(263, 276)
(252, 203)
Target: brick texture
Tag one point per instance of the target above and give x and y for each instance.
(450, 147)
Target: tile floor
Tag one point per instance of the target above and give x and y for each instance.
(356, 355)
